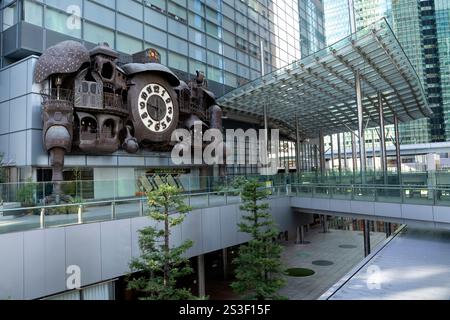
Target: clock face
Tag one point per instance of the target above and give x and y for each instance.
(155, 107)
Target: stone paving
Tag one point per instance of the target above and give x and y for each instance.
(323, 246)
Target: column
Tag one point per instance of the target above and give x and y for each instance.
(225, 262)
(387, 229)
(324, 221)
(362, 142)
(300, 235)
(339, 154)
(397, 150)
(316, 159)
(321, 153)
(332, 153)
(373, 152)
(345, 151)
(366, 230)
(304, 156)
(382, 138)
(354, 164)
(201, 275)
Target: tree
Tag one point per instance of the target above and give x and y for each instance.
(160, 264)
(259, 271)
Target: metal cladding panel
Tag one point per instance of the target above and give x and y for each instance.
(116, 248)
(18, 148)
(5, 84)
(4, 117)
(19, 80)
(211, 229)
(228, 226)
(18, 113)
(83, 249)
(34, 111)
(11, 266)
(417, 212)
(192, 229)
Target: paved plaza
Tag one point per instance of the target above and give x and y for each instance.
(322, 248)
(341, 247)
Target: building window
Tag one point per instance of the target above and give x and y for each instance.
(96, 34)
(127, 44)
(62, 22)
(178, 62)
(33, 12)
(9, 16)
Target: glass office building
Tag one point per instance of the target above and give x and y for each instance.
(227, 39)
(222, 38)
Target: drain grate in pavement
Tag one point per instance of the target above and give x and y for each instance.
(348, 246)
(322, 263)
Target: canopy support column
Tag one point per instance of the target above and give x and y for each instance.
(354, 164)
(332, 153)
(374, 158)
(362, 143)
(321, 153)
(345, 151)
(397, 150)
(382, 138)
(339, 154)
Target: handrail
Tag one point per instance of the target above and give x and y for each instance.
(109, 201)
(371, 186)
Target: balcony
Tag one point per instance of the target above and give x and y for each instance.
(57, 96)
(114, 102)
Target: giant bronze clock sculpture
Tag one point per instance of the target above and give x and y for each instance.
(94, 105)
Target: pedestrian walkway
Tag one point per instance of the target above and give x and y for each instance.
(415, 265)
(343, 248)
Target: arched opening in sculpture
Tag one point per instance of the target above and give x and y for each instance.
(88, 128)
(108, 129)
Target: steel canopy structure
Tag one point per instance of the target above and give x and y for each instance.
(339, 88)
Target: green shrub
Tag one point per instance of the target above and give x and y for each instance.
(26, 192)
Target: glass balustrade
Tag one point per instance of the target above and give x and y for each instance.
(32, 205)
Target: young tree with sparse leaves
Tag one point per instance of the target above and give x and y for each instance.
(259, 270)
(161, 264)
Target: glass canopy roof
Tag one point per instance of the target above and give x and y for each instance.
(320, 89)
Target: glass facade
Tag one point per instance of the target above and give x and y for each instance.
(221, 37)
(442, 25)
(337, 20)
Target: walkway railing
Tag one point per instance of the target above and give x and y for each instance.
(410, 194)
(45, 216)
(98, 200)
